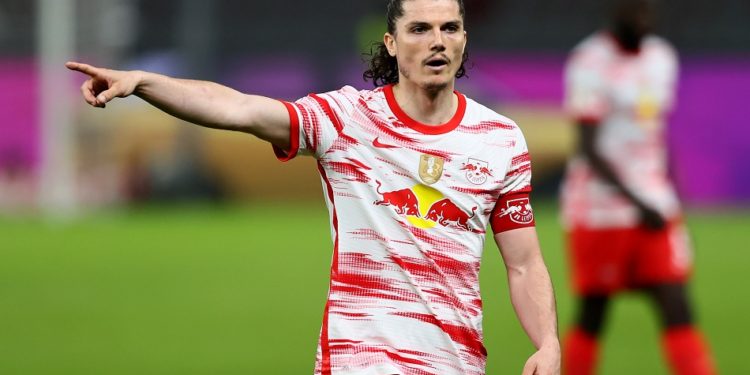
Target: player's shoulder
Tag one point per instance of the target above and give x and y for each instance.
(592, 51)
(658, 45)
(480, 115)
(354, 95)
(482, 112)
(347, 92)
(656, 41)
(347, 98)
(600, 43)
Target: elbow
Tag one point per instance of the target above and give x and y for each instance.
(517, 270)
(529, 265)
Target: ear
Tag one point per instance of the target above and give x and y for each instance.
(390, 44)
(465, 41)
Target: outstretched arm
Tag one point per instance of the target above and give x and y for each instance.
(532, 297)
(200, 102)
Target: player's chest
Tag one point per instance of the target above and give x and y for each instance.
(426, 183)
(639, 85)
(467, 164)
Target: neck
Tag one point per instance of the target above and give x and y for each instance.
(627, 41)
(426, 105)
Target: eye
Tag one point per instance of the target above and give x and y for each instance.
(451, 28)
(418, 29)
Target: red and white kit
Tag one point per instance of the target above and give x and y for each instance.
(409, 204)
(627, 95)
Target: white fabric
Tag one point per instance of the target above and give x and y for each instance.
(628, 95)
(404, 296)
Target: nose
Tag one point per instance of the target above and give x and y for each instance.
(437, 41)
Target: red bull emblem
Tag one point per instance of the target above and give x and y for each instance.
(447, 213)
(425, 207)
(519, 211)
(477, 171)
(404, 201)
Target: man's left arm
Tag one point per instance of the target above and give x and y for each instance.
(532, 297)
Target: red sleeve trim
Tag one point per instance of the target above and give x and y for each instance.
(512, 211)
(286, 155)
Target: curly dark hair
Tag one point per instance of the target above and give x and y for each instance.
(384, 67)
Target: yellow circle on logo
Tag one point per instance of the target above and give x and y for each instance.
(647, 105)
(426, 197)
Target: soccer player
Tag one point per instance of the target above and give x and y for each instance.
(620, 209)
(413, 173)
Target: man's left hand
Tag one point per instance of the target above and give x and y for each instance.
(546, 361)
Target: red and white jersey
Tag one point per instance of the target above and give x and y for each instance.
(628, 96)
(409, 205)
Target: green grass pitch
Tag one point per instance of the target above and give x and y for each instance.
(241, 290)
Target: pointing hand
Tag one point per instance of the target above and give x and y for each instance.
(104, 85)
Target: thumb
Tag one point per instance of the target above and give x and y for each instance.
(109, 94)
(529, 368)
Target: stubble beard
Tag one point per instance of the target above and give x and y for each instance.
(433, 89)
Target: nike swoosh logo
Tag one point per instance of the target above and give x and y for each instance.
(377, 144)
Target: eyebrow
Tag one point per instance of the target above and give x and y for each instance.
(423, 23)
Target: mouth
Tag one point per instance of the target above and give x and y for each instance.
(437, 62)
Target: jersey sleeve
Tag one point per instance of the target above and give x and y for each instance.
(316, 122)
(513, 207)
(585, 88)
(668, 70)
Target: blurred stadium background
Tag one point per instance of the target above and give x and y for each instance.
(131, 243)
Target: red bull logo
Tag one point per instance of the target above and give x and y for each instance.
(477, 171)
(519, 211)
(425, 207)
(404, 201)
(446, 213)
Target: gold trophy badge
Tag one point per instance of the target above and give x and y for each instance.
(430, 168)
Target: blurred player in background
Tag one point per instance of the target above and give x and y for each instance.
(620, 209)
(413, 173)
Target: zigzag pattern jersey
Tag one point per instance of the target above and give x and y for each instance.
(627, 95)
(409, 205)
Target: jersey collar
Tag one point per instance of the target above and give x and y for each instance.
(424, 128)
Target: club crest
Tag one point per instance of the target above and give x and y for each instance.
(477, 171)
(519, 211)
(430, 168)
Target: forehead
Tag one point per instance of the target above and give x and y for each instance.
(430, 11)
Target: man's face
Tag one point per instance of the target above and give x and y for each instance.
(428, 42)
(634, 19)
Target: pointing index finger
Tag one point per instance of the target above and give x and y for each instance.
(83, 68)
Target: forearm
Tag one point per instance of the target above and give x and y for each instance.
(216, 106)
(534, 302)
(200, 102)
(530, 286)
(588, 133)
(605, 171)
